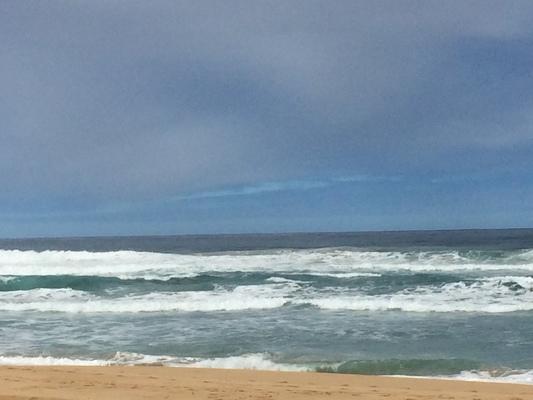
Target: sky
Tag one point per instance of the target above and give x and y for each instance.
(175, 117)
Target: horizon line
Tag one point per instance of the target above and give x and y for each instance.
(262, 233)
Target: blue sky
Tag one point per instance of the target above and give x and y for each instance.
(202, 117)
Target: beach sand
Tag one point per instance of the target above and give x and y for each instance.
(190, 383)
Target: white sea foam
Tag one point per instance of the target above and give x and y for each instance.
(278, 279)
(248, 361)
(75, 301)
(253, 361)
(511, 376)
(488, 295)
(257, 361)
(47, 360)
(345, 274)
(132, 264)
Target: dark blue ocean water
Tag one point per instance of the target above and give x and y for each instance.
(450, 303)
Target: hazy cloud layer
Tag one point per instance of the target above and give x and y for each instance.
(139, 101)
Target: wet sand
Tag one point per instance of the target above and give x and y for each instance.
(104, 383)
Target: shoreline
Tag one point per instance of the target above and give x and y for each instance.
(508, 376)
(157, 382)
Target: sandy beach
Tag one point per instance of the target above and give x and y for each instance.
(191, 383)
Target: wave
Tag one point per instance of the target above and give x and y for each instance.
(198, 282)
(132, 264)
(410, 367)
(438, 368)
(346, 274)
(102, 283)
(488, 295)
(75, 301)
(459, 369)
(49, 360)
(506, 375)
(248, 361)
(254, 361)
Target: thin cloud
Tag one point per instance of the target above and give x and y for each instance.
(269, 187)
(251, 190)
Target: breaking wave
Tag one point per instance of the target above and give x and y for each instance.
(438, 368)
(488, 295)
(255, 361)
(132, 264)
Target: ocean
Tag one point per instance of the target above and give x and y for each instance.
(455, 304)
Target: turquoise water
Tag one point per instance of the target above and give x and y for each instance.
(415, 303)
